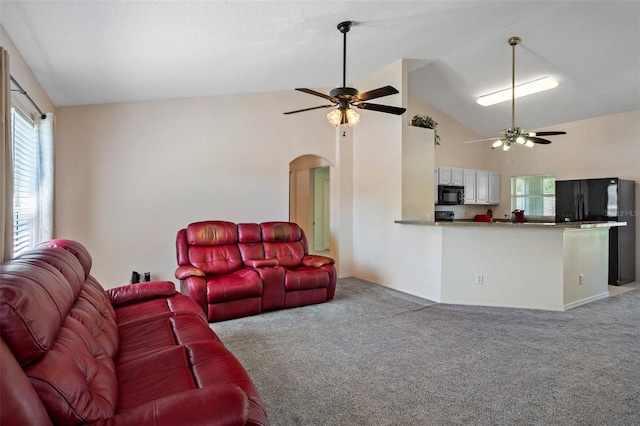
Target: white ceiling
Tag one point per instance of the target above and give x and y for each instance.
(92, 52)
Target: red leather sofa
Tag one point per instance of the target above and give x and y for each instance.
(235, 270)
(72, 353)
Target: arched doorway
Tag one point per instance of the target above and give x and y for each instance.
(309, 195)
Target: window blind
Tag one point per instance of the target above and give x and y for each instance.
(25, 182)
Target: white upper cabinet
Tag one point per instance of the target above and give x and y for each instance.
(480, 186)
(450, 176)
(469, 178)
(457, 177)
(494, 188)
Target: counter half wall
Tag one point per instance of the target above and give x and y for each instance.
(533, 266)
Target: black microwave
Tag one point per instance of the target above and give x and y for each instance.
(450, 194)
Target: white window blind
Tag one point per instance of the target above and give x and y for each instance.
(26, 168)
(535, 194)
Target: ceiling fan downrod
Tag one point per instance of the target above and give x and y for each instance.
(513, 42)
(344, 28)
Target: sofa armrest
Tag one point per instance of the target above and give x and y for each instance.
(220, 405)
(184, 272)
(133, 293)
(262, 263)
(316, 261)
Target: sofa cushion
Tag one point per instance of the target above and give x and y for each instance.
(283, 241)
(152, 309)
(30, 313)
(154, 375)
(75, 248)
(216, 260)
(241, 284)
(138, 339)
(212, 232)
(19, 402)
(249, 233)
(289, 254)
(280, 231)
(65, 262)
(250, 242)
(93, 310)
(75, 380)
(305, 279)
(205, 358)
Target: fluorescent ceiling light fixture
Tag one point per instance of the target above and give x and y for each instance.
(525, 89)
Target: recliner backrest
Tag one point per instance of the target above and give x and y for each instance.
(212, 246)
(250, 241)
(284, 241)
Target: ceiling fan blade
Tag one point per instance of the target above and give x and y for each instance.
(550, 133)
(322, 95)
(484, 140)
(377, 93)
(536, 139)
(307, 109)
(382, 108)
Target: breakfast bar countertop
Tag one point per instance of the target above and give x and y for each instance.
(509, 224)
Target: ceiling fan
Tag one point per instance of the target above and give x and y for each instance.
(344, 98)
(515, 134)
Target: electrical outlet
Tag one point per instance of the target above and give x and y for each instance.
(479, 279)
(581, 279)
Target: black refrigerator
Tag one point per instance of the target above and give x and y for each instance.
(609, 199)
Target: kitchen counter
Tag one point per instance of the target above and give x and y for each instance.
(508, 224)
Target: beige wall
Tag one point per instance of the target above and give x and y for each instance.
(129, 176)
(452, 151)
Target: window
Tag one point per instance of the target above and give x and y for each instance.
(26, 164)
(535, 194)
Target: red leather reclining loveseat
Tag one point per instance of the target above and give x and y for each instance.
(72, 353)
(235, 270)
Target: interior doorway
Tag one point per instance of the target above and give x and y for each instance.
(321, 209)
(309, 195)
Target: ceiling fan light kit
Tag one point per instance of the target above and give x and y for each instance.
(337, 117)
(344, 98)
(515, 134)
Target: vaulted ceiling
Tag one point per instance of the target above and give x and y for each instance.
(92, 52)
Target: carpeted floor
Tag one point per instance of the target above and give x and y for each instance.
(374, 356)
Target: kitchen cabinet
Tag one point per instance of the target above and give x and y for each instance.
(487, 187)
(469, 179)
(450, 176)
(480, 186)
(494, 188)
